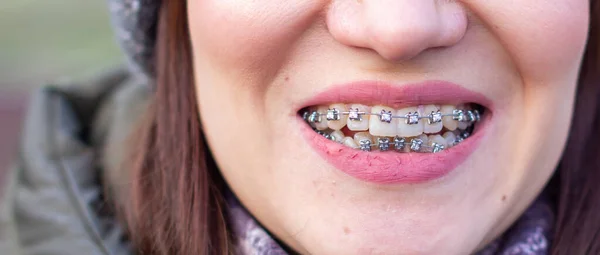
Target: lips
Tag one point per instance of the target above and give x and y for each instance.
(389, 167)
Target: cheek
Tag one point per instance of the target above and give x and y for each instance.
(545, 38)
(248, 36)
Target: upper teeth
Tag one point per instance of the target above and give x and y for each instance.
(354, 114)
(435, 117)
(385, 121)
(333, 114)
(412, 118)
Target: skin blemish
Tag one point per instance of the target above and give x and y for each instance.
(347, 230)
(504, 198)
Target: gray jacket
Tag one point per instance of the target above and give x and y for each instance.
(54, 198)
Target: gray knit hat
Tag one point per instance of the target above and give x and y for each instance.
(135, 27)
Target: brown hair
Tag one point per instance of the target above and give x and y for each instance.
(577, 178)
(176, 197)
(176, 203)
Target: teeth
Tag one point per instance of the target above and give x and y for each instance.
(462, 118)
(416, 144)
(459, 137)
(399, 143)
(450, 138)
(471, 116)
(313, 117)
(437, 139)
(375, 140)
(477, 115)
(448, 122)
(361, 136)
(364, 140)
(462, 125)
(383, 125)
(424, 138)
(465, 135)
(404, 128)
(365, 145)
(320, 121)
(458, 140)
(306, 115)
(335, 120)
(337, 135)
(383, 128)
(349, 141)
(434, 122)
(383, 143)
(357, 121)
(435, 147)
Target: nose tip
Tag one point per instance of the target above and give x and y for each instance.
(397, 29)
(399, 41)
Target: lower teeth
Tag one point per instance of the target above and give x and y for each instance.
(402, 144)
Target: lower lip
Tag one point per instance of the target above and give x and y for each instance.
(392, 167)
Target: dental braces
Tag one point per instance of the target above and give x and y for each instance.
(411, 118)
(400, 143)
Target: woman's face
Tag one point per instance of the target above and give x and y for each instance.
(259, 65)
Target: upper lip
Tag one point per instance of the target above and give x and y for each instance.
(397, 96)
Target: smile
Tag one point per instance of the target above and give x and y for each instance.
(395, 134)
(387, 127)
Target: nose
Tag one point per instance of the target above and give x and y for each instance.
(397, 29)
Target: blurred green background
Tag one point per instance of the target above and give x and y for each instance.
(43, 41)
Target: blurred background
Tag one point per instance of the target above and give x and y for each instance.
(44, 41)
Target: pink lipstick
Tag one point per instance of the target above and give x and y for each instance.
(391, 167)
